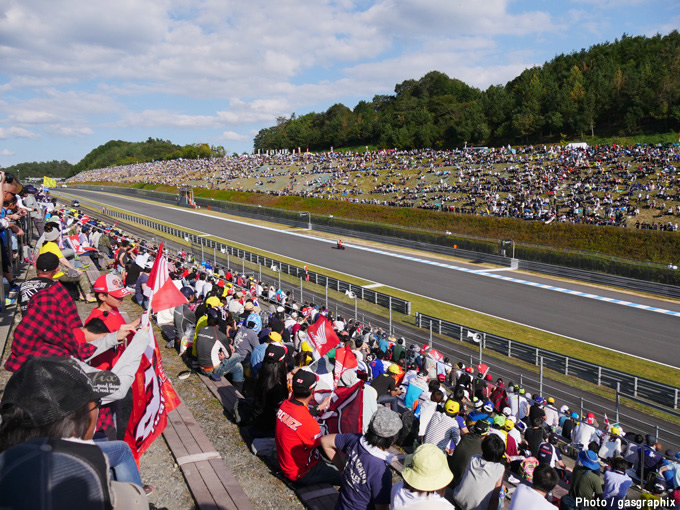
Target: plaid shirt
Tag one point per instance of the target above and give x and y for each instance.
(46, 329)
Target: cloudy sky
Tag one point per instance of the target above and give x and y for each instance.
(75, 74)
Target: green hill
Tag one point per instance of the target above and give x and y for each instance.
(628, 87)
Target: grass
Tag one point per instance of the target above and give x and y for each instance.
(473, 320)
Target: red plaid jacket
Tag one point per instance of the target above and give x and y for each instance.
(46, 329)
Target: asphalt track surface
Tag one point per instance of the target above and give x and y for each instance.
(646, 334)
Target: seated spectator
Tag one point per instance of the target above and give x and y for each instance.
(46, 267)
(482, 480)
(469, 445)
(443, 430)
(584, 431)
(426, 410)
(141, 286)
(271, 390)
(298, 435)
(216, 357)
(616, 483)
(366, 479)
(184, 318)
(53, 399)
(534, 497)
(535, 435)
(386, 386)
(426, 475)
(585, 479)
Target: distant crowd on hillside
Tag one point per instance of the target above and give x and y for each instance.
(604, 185)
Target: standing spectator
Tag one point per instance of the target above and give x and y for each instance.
(535, 436)
(366, 479)
(426, 476)
(483, 478)
(36, 212)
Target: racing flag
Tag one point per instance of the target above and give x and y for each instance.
(344, 415)
(164, 293)
(322, 336)
(345, 359)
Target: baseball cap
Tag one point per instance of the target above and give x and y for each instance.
(395, 369)
(304, 380)
(477, 404)
(499, 420)
(481, 427)
(539, 400)
(427, 469)
(275, 352)
(452, 407)
(590, 418)
(47, 262)
(551, 400)
(487, 407)
(249, 306)
(213, 301)
(48, 389)
(507, 411)
(385, 423)
(111, 284)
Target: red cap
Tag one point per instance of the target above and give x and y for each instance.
(111, 284)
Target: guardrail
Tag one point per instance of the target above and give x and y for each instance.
(627, 384)
(474, 249)
(377, 298)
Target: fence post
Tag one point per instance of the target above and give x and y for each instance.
(356, 315)
(280, 278)
(214, 257)
(440, 326)
(430, 331)
(259, 264)
(460, 334)
(566, 365)
(599, 375)
(202, 252)
(228, 263)
(390, 305)
(521, 380)
(480, 353)
(244, 262)
(618, 389)
(540, 378)
(326, 292)
(581, 411)
(635, 382)
(509, 348)
(675, 400)
(301, 298)
(536, 362)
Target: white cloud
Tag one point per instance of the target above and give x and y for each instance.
(68, 131)
(234, 137)
(17, 132)
(6, 152)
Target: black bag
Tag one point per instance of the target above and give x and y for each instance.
(567, 503)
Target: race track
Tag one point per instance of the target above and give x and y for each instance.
(643, 333)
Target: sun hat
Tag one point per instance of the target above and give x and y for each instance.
(52, 234)
(385, 423)
(249, 306)
(48, 389)
(588, 459)
(427, 469)
(111, 284)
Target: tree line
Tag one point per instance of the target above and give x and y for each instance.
(628, 87)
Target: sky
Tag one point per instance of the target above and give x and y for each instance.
(74, 74)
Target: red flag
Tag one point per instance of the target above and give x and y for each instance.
(322, 335)
(344, 415)
(345, 359)
(153, 397)
(483, 369)
(164, 293)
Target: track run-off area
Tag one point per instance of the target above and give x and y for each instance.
(640, 326)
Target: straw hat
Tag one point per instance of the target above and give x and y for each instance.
(427, 469)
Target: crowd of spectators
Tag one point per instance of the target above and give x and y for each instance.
(603, 185)
(469, 436)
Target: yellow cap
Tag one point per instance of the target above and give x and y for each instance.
(213, 301)
(452, 407)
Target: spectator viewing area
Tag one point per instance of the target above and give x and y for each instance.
(161, 354)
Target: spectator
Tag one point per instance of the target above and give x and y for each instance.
(298, 435)
(46, 267)
(585, 480)
(535, 435)
(184, 317)
(443, 429)
(616, 483)
(53, 399)
(483, 477)
(469, 445)
(271, 390)
(534, 497)
(142, 290)
(548, 453)
(214, 352)
(258, 355)
(568, 426)
(366, 479)
(584, 431)
(386, 386)
(427, 409)
(426, 476)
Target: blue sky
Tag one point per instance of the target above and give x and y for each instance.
(74, 74)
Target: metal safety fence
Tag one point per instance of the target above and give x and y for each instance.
(206, 245)
(627, 384)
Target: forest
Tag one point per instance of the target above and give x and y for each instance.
(625, 88)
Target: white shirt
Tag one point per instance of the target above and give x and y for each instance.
(526, 498)
(404, 498)
(583, 433)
